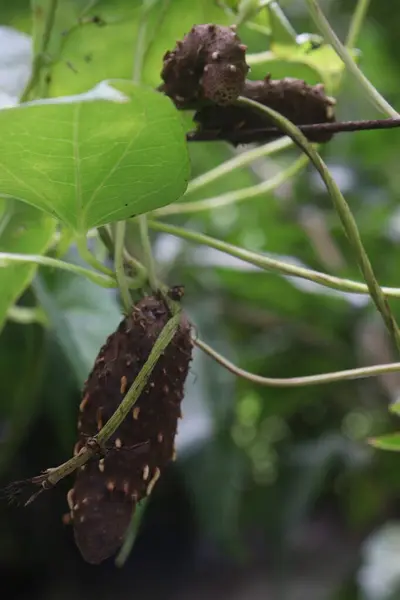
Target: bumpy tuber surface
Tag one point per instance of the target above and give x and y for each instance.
(108, 488)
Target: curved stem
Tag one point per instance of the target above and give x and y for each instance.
(8, 258)
(39, 58)
(90, 258)
(356, 23)
(241, 160)
(131, 533)
(120, 229)
(139, 46)
(342, 209)
(139, 279)
(141, 271)
(236, 195)
(330, 36)
(286, 29)
(270, 264)
(359, 373)
(148, 254)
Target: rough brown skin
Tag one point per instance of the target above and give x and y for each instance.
(301, 103)
(107, 489)
(207, 65)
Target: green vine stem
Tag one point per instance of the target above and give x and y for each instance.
(39, 59)
(140, 277)
(346, 375)
(270, 264)
(237, 195)
(141, 272)
(90, 258)
(241, 160)
(131, 533)
(330, 36)
(148, 254)
(120, 230)
(342, 209)
(285, 25)
(139, 53)
(8, 258)
(53, 475)
(356, 23)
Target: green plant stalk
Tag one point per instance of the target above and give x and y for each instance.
(143, 42)
(270, 264)
(53, 475)
(90, 258)
(140, 278)
(274, 7)
(346, 375)
(39, 58)
(241, 160)
(342, 209)
(237, 195)
(141, 271)
(62, 241)
(120, 230)
(330, 36)
(140, 49)
(8, 258)
(148, 254)
(152, 36)
(131, 533)
(357, 22)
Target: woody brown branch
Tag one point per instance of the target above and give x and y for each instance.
(260, 135)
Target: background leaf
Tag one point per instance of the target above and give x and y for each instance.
(391, 441)
(81, 316)
(21, 371)
(23, 229)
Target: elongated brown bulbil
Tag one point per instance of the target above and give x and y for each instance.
(299, 102)
(107, 490)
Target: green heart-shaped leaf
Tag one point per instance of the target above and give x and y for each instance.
(96, 158)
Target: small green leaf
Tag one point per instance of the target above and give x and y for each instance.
(321, 65)
(96, 158)
(390, 441)
(24, 230)
(323, 59)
